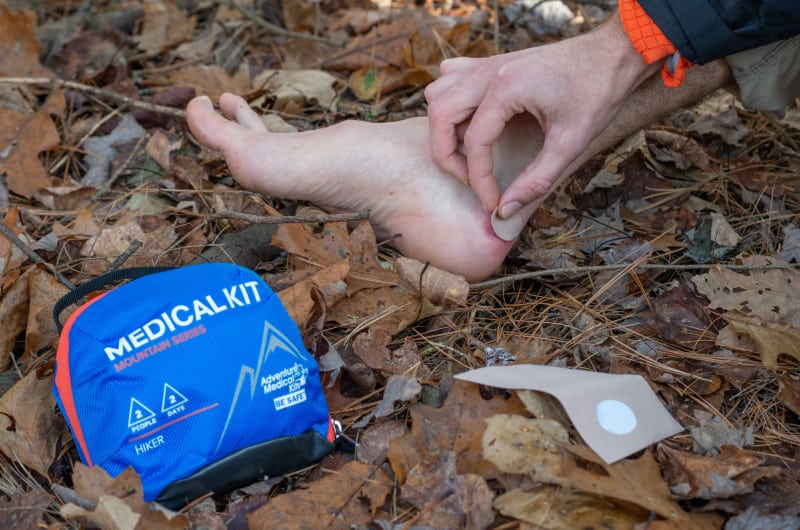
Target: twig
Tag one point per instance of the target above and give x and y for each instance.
(599, 268)
(62, 83)
(70, 496)
(277, 30)
(33, 255)
(277, 220)
(122, 258)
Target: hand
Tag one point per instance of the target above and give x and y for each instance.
(573, 88)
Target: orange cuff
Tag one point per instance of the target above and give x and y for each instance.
(651, 43)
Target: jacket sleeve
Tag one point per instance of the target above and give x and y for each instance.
(705, 30)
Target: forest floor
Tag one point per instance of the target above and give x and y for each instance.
(672, 258)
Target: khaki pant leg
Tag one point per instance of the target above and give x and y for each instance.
(768, 76)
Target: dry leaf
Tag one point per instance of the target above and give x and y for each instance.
(457, 426)
(298, 87)
(373, 444)
(28, 136)
(19, 48)
(29, 426)
(13, 317)
(165, 25)
(388, 308)
(771, 339)
(558, 508)
(684, 145)
(637, 481)
(159, 148)
(305, 300)
(339, 500)
(525, 446)
(371, 347)
(398, 388)
(120, 501)
(24, 509)
(789, 392)
(44, 291)
(732, 472)
(440, 287)
(445, 499)
(211, 80)
(113, 241)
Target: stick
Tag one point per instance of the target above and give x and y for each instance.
(277, 220)
(99, 92)
(599, 268)
(33, 255)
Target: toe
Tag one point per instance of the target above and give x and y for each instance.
(238, 109)
(210, 128)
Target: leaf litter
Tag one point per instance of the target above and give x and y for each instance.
(85, 179)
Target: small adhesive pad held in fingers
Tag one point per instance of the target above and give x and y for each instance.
(507, 229)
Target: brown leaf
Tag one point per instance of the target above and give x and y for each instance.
(679, 316)
(448, 500)
(789, 392)
(457, 426)
(440, 287)
(104, 248)
(732, 472)
(373, 444)
(13, 317)
(44, 291)
(164, 25)
(307, 299)
(298, 88)
(383, 45)
(29, 135)
(685, 145)
(159, 148)
(120, 501)
(636, 481)
(337, 501)
(371, 347)
(212, 80)
(558, 508)
(398, 388)
(726, 125)
(29, 426)
(24, 509)
(389, 308)
(772, 339)
(525, 446)
(19, 48)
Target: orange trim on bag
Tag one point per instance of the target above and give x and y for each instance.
(650, 41)
(331, 431)
(63, 380)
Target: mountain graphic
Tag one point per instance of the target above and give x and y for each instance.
(271, 340)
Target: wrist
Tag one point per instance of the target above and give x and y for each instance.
(630, 66)
(651, 43)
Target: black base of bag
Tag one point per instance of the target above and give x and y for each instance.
(269, 459)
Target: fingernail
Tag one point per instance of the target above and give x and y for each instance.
(206, 102)
(509, 209)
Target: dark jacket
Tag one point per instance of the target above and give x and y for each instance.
(705, 30)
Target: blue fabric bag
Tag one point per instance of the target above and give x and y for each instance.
(196, 376)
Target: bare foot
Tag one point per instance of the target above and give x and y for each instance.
(387, 168)
(352, 166)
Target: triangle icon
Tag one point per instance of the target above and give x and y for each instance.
(138, 413)
(171, 398)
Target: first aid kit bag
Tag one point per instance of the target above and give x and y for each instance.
(196, 377)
